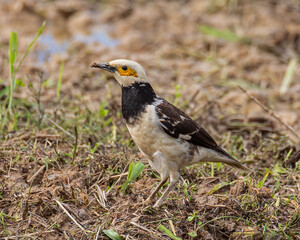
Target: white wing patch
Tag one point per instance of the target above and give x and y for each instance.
(158, 100)
(182, 117)
(185, 137)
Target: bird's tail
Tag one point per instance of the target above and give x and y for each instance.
(223, 157)
(226, 158)
(232, 162)
(229, 161)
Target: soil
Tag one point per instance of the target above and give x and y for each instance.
(65, 151)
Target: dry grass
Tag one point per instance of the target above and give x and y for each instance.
(58, 183)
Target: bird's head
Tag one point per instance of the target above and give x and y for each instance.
(126, 72)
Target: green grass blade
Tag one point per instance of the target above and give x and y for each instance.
(112, 234)
(2, 92)
(59, 80)
(193, 234)
(20, 83)
(168, 232)
(130, 170)
(278, 169)
(13, 50)
(218, 186)
(133, 172)
(221, 34)
(31, 44)
(288, 76)
(12, 55)
(262, 182)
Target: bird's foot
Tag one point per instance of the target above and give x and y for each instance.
(144, 203)
(148, 200)
(158, 203)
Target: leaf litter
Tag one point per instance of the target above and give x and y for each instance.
(195, 53)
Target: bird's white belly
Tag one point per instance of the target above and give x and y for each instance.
(158, 146)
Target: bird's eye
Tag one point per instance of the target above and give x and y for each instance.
(124, 70)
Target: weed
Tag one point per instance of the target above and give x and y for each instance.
(58, 88)
(193, 216)
(112, 234)
(133, 172)
(168, 232)
(13, 53)
(221, 34)
(81, 142)
(261, 183)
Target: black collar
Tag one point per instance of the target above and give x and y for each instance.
(135, 98)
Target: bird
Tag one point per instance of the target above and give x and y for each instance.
(165, 135)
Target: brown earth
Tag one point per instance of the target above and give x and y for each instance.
(196, 54)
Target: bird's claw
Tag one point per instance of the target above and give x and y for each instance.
(157, 204)
(144, 203)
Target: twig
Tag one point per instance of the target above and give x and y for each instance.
(50, 136)
(76, 145)
(70, 216)
(66, 235)
(98, 232)
(225, 206)
(270, 112)
(17, 231)
(172, 227)
(122, 174)
(28, 235)
(65, 131)
(119, 175)
(47, 227)
(194, 96)
(25, 209)
(101, 197)
(36, 173)
(41, 112)
(143, 228)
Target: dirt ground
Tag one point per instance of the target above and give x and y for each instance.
(65, 150)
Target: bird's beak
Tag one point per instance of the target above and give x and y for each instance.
(104, 66)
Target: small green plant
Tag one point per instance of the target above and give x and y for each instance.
(288, 77)
(261, 182)
(112, 234)
(8, 117)
(102, 109)
(178, 94)
(133, 172)
(168, 232)
(102, 113)
(193, 234)
(226, 34)
(58, 88)
(92, 150)
(192, 216)
(12, 54)
(2, 214)
(219, 186)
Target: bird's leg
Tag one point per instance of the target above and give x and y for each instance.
(162, 182)
(174, 177)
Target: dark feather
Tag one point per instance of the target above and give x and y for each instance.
(179, 125)
(135, 98)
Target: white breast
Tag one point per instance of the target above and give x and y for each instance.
(151, 140)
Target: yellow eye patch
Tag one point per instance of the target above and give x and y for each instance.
(127, 71)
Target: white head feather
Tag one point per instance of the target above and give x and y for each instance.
(125, 80)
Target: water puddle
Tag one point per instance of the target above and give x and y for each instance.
(97, 35)
(50, 45)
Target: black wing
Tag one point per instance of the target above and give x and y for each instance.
(179, 125)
